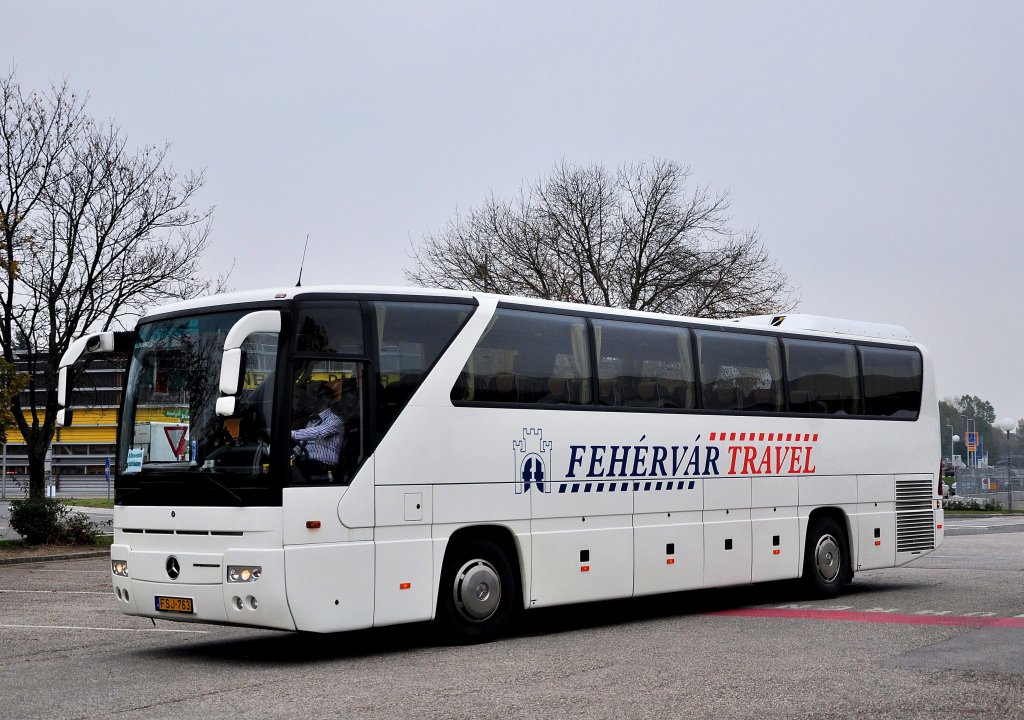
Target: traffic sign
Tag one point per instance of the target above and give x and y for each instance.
(176, 435)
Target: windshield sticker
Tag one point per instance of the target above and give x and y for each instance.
(647, 466)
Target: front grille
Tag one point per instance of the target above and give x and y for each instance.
(915, 519)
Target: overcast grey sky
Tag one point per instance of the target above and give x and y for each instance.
(877, 146)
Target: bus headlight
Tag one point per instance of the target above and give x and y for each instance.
(244, 573)
(119, 567)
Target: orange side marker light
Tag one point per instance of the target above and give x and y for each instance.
(776, 551)
(584, 568)
(404, 586)
(312, 524)
(670, 561)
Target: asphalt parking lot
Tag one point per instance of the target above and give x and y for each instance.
(940, 638)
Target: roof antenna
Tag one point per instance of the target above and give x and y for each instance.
(299, 283)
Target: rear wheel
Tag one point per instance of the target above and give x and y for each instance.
(478, 593)
(827, 558)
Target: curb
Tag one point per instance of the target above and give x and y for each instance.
(51, 558)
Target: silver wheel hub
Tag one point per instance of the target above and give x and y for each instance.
(477, 590)
(827, 558)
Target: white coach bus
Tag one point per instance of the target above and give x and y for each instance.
(494, 454)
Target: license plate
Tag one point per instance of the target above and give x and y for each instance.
(174, 604)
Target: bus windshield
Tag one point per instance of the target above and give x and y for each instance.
(170, 423)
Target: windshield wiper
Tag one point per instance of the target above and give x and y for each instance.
(225, 488)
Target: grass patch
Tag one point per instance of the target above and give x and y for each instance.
(88, 502)
(101, 541)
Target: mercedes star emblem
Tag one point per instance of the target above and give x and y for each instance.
(173, 569)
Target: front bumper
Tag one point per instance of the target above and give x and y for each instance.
(202, 578)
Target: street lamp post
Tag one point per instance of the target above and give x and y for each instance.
(1008, 424)
(952, 451)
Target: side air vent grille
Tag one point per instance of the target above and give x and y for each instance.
(915, 518)
(154, 531)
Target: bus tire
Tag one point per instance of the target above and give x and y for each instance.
(827, 558)
(478, 591)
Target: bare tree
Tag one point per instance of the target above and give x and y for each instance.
(638, 238)
(91, 233)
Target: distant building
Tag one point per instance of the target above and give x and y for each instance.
(78, 453)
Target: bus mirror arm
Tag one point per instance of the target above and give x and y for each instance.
(232, 365)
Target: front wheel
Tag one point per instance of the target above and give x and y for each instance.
(826, 559)
(478, 593)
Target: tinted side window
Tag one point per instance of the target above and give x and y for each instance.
(644, 365)
(335, 327)
(892, 382)
(823, 378)
(739, 372)
(327, 419)
(528, 358)
(410, 337)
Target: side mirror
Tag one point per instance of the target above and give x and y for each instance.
(62, 386)
(103, 343)
(226, 406)
(231, 366)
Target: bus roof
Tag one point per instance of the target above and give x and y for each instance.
(794, 322)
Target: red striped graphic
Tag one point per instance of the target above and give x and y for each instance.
(762, 437)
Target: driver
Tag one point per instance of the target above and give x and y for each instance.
(321, 438)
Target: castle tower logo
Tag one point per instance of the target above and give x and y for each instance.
(532, 461)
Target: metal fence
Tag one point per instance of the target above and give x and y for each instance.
(992, 484)
(69, 486)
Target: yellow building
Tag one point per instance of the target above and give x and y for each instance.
(78, 454)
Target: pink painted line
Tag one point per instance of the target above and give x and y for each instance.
(873, 617)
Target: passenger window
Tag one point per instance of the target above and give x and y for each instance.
(823, 378)
(892, 382)
(335, 327)
(739, 372)
(643, 365)
(327, 420)
(528, 358)
(411, 337)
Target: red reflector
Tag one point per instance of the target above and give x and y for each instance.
(776, 552)
(312, 524)
(878, 542)
(670, 561)
(584, 568)
(404, 586)
(939, 526)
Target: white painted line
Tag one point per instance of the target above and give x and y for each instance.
(104, 629)
(61, 592)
